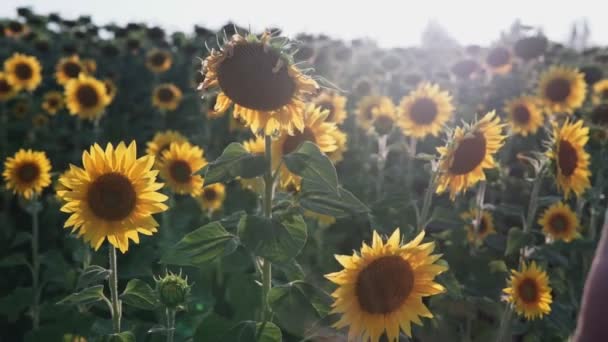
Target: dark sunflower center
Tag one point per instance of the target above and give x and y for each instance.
(165, 95)
(87, 96)
(210, 194)
(469, 154)
(28, 172)
(112, 197)
(521, 114)
(424, 111)
(158, 59)
(498, 57)
(330, 108)
(249, 77)
(383, 124)
(72, 69)
(180, 171)
(383, 285)
(24, 71)
(4, 87)
(566, 158)
(558, 223)
(558, 90)
(528, 290)
(52, 102)
(292, 142)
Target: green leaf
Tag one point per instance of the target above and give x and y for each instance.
(497, 266)
(340, 204)
(212, 328)
(13, 304)
(86, 296)
(278, 240)
(13, 260)
(140, 295)
(125, 336)
(217, 328)
(91, 275)
(234, 162)
(201, 246)
(516, 239)
(316, 170)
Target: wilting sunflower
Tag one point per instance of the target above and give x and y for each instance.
(315, 130)
(569, 157)
(27, 173)
(365, 107)
(161, 142)
(335, 105)
(468, 153)
(7, 90)
(384, 118)
(562, 89)
(212, 197)
(52, 102)
(166, 96)
(486, 226)
(69, 68)
(529, 291)
(425, 110)
(559, 222)
(499, 60)
(381, 288)
(23, 71)
(525, 116)
(178, 167)
(158, 61)
(111, 89)
(260, 79)
(600, 92)
(113, 196)
(86, 97)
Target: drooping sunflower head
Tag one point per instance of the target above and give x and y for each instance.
(166, 96)
(425, 110)
(7, 90)
(27, 173)
(179, 167)
(23, 72)
(485, 228)
(470, 150)
(255, 74)
(52, 102)
(380, 289)
(384, 118)
(529, 291)
(562, 89)
(571, 161)
(158, 61)
(499, 60)
(162, 141)
(111, 88)
(113, 196)
(365, 107)
(524, 114)
(69, 68)
(86, 97)
(559, 222)
(334, 104)
(600, 92)
(212, 197)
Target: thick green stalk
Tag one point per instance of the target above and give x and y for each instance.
(533, 204)
(268, 192)
(170, 324)
(481, 194)
(428, 200)
(116, 303)
(35, 265)
(505, 326)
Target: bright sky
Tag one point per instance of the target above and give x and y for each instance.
(390, 22)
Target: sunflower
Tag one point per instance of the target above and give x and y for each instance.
(529, 291)
(559, 222)
(69, 68)
(384, 118)
(111, 89)
(166, 96)
(211, 112)
(52, 102)
(425, 110)
(469, 152)
(86, 97)
(524, 114)
(21, 108)
(569, 157)
(7, 91)
(259, 78)
(499, 60)
(179, 167)
(27, 173)
(40, 120)
(600, 92)
(161, 142)
(15, 29)
(365, 117)
(158, 61)
(212, 197)
(341, 145)
(562, 89)
(113, 196)
(335, 104)
(486, 226)
(23, 71)
(381, 288)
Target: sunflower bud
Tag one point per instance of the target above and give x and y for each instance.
(173, 290)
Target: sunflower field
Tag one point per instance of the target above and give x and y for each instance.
(227, 185)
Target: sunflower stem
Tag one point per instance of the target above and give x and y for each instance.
(35, 264)
(503, 334)
(381, 163)
(268, 192)
(428, 198)
(170, 314)
(481, 194)
(116, 303)
(411, 153)
(533, 204)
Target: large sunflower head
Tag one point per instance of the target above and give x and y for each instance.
(27, 173)
(559, 222)
(384, 118)
(486, 226)
(365, 107)
(334, 104)
(529, 291)
(499, 60)
(600, 92)
(7, 90)
(380, 289)
(468, 153)
(158, 61)
(113, 196)
(69, 68)
(562, 89)
(166, 96)
(425, 110)
(571, 161)
(212, 197)
(261, 80)
(52, 102)
(86, 97)
(524, 114)
(161, 142)
(179, 167)
(23, 71)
